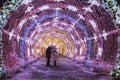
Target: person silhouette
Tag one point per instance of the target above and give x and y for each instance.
(48, 55)
(54, 55)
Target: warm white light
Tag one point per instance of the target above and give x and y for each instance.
(22, 22)
(18, 38)
(58, 0)
(33, 16)
(28, 50)
(11, 34)
(38, 25)
(61, 28)
(72, 8)
(33, 33)
(93, 23)
(95, 37)
(81, 16)
(81, 50)
(38, 51)
(29, 8)
(32, 51)
(104, 35)
(26, 1)
(87, 9)
(94, 2)
(99, 52)
(30, 42)
(27, 40)
(47, 23)
(72, 37)
(57, 9)
(45, 7)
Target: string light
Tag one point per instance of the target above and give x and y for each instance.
(6, 11)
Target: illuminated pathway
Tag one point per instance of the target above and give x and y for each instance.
(66, 69)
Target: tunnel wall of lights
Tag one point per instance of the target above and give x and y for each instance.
(79, 29)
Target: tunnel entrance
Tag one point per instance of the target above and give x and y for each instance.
(81, 30)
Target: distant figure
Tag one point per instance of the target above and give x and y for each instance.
(54, 55)
(48, 55)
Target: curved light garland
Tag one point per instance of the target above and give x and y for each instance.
(109, 5)
(34, 32)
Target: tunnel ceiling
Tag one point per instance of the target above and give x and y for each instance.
(78, 28)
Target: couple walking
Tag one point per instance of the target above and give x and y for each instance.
(51, 50)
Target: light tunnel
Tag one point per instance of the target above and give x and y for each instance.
(78, 28)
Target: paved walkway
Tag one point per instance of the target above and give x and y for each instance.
(66, 70)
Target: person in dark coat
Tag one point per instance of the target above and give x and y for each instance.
(48, 55)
